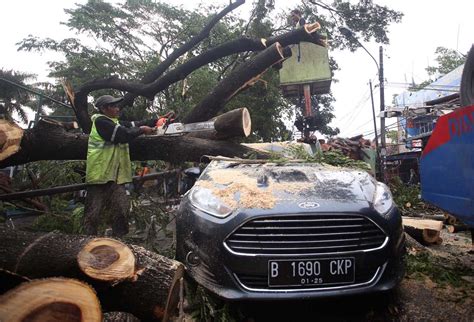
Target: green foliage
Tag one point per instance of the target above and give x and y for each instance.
(45, 174)
(392, 135)
(12, 99)
(209, 308)
(405, 196)
(447, 60)
(328, 157)
(439, 270)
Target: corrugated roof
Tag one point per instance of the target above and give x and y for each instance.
(444, 86)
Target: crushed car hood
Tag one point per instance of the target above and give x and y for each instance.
(265, 185)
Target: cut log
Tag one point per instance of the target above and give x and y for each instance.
(106, 259)
(49, 141)
(52, 299)
(425, 231)
(150, 292)
(10, 138)
(426, 216)
(423, 236)
(451, 220)
(233, 124)
(456, 228)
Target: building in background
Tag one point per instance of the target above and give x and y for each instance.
(417, 114)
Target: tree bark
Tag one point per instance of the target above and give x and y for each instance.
(50, 141)
(9, 280)
(233, 124)
(250, 70)
(53, 299)
(149, 293)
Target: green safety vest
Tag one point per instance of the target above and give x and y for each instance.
(107, 161)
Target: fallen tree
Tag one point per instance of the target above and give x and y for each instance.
(126, 278)
(52, 141)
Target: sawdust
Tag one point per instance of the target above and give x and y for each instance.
(235, 187)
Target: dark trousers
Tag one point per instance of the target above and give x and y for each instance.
(109, 197)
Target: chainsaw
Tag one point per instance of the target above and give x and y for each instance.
(166, 126)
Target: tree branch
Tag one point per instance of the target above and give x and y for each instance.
(157, 72)
(240, 77)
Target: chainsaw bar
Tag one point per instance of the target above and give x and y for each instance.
(180, 128)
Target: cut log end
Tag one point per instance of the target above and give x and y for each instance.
(246, 122)
(430, 236)
(53, 299)
(279, 49)
(10, 138)
(107, 259)
(173, 296)
(235, 123)
(312, 27)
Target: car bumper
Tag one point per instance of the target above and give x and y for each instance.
(238, 277)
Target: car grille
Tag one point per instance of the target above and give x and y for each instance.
(306, 235)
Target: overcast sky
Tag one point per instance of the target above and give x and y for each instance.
(425, 26)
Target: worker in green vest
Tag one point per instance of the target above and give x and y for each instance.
(108, 165)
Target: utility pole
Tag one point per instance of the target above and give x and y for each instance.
(378, 170)
(382, 100)
(383, 146)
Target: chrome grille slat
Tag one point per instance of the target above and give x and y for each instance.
(309, 234)
(306, 234)
(266, 221)
(301, 241)
(303, 227)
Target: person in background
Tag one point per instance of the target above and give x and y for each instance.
(109, 166)
(297, 19)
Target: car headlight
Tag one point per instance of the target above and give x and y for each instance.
(383, 200)
(204, 200)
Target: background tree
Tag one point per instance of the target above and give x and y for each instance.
(447, 60)
(130, 39)
(12, 99)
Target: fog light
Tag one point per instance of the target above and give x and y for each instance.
(193, 259)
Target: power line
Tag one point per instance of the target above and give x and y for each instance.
(355, 112)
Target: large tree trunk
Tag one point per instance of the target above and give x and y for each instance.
(52, 299)
(126, 278)
(50, 141)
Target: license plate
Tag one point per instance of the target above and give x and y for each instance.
(311, 272)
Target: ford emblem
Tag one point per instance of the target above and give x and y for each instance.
(308, 205)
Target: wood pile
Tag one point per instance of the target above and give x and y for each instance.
(350, 147)
(58, 277)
